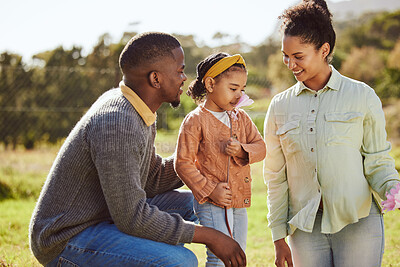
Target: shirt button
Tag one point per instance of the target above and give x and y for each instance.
(315, 95)
(312, 149)
(246, 201)
(311, 129)
(312, 111)
(246, 179)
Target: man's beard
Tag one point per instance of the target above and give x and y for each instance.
(175, 104)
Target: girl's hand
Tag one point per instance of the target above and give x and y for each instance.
(222, 194)
(233, 147)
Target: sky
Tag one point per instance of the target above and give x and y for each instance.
(29, 27)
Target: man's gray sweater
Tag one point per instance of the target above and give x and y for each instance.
(104, 171)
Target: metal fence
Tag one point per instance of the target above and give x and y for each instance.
(42, 104)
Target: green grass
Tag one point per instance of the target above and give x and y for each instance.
(14, 222)
(260, 249)
(22, 173)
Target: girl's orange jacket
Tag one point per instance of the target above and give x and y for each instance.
(200, 159)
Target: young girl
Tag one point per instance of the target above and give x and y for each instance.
(216, 145)
(326, 153)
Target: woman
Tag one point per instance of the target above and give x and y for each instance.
(327, 154)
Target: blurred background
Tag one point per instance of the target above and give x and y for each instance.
(57, 58)
(53, 66)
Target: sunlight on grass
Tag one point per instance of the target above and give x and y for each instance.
(25, 171)
(14, 222)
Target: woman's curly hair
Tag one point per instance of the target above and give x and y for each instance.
(310, 20)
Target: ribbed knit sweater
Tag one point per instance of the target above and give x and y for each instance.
(104, 171)
(201, 161)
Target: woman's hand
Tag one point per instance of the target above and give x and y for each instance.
(222, 194)
(282, 253)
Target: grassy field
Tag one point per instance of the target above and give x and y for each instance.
(22, 174)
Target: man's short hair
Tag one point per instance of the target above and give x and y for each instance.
(147, 47)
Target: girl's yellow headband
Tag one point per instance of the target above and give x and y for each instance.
(224, 64)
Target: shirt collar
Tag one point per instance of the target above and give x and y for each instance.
(333, 83)
(144, 111)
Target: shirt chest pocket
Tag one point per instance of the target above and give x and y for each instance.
(289, 135)
(344, 128)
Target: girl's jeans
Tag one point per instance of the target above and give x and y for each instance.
(358, 244)
(214, 217)
(104, 245)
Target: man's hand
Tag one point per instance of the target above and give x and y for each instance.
(282, 253)
(224, 247)
(222, 194)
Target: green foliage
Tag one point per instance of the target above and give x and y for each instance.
(16, 185)
(392, 110)
(14, 222)
(14, 81)
(369, 50)
(280, 76)
(30, 167)
(193, 53)
(22, 173)
(358, 64)
(380, 30)
(388, 85)
(259, 55)
(42, 101)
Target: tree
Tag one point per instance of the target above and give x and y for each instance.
(258, 56)
(60, 87)
(280, 76)
(394, 57)
(379, 30)
(15, 85)
(364, 64)
(388, 86)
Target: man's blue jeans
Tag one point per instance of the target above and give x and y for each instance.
(104, 245)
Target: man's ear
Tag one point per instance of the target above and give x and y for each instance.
(209, 84)
(154, 79)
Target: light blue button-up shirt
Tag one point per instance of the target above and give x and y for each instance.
(328, 145)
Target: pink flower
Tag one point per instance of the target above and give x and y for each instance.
(392, 201)
(244, 101)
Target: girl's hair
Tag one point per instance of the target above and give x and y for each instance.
(312, 22)
(196, 89)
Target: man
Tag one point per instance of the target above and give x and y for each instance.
(109, 200)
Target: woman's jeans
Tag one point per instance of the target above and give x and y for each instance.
(358, 244)
(104, 245)
(214, 217)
